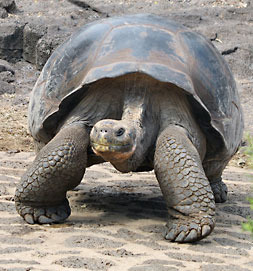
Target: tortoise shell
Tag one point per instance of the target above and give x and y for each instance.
(149, 44)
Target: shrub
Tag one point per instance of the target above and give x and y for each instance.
(248, 150)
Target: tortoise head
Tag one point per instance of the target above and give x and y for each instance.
(113, 140)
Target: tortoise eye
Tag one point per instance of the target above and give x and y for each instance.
(120, 132)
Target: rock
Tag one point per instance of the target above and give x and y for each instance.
(241, 162)
(9, 5)
(11, 41)
(5, 66)
(6, 88)
(3, 13)
(46, 46)
(32, 33)
(7, 77)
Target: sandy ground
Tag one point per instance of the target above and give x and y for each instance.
(117, 223)
(117, 220)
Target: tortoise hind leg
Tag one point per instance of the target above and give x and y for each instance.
(59, 166)
(219, 189)
(213, 170)
(186, 189)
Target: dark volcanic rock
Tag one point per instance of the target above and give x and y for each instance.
(6, 88)
(7, 77)
(46, 46)
(11, 41)
(3, 13)
(6, 6)
(9, 5)
(32, 33)
(5, 66)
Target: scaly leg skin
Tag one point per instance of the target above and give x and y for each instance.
(220, 190)
(213, 170)
(59, 166)
(185, 187)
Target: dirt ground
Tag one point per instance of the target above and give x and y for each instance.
(117, 223)
(117, 219)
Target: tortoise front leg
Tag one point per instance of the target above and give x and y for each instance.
(59, 166)
(185, 187)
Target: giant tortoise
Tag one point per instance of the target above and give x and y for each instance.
(143, 93)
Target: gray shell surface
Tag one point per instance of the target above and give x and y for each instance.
(148, 44)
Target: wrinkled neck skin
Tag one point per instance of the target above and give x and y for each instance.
(137, 114)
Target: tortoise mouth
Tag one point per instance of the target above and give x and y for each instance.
(113, 152)
(102, 147)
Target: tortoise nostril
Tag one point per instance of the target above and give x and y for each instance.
(120, 132)
(103, 131)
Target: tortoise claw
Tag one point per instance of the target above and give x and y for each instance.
(29, 219)
(205, 230)
(193, 235)
(181, 231)
(45, 220)
(44, 215)
(220, 191)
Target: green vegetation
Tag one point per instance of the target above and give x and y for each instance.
(248, 226)
(248, 150)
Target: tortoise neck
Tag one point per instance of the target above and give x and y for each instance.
(135, 101)
(135, 107)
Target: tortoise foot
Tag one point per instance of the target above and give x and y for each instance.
(188, 230)
(220, 191)
(44, 215)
